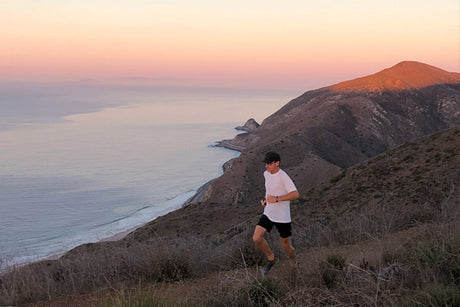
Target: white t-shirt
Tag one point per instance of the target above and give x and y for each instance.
(278, 184)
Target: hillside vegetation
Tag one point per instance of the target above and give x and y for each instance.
(385, 232)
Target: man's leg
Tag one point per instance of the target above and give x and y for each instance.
(260, 241)
(290, 251)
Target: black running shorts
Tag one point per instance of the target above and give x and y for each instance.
(284, 229)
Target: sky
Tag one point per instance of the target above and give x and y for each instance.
(240, 43)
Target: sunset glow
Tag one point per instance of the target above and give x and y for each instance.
(211, 43)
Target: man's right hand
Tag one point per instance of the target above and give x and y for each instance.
(263, 202)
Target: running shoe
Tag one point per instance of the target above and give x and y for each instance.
(266, 268)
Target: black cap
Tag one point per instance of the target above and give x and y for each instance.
(271, 156)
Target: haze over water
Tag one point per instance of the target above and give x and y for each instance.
(82, 162)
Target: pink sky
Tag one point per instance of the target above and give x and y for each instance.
(289, 44)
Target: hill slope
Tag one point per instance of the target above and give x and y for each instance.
(383, 217)
(393, 220)
(407, 185)
(332, 128)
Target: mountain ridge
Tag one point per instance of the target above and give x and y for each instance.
(324, 131)
(405, 75)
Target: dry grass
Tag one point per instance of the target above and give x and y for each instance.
(424, 266)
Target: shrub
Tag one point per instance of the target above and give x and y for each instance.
(331, 270)
(408, 158)
(443, 258)
(437, 296)
(260, 293)
(437, 157)
(246, 254)
(174, 267)
(337, 261)
(338, 177)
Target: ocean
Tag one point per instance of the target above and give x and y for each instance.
(82, 162)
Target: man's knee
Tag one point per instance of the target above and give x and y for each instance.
(257, 238)
(285, 243)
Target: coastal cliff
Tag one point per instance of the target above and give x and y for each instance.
(376, 163)
(319, 135)
(330, 129)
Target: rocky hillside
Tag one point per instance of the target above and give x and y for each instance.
(319, 135)
(334, 143)
(414, 183)
(333, 128)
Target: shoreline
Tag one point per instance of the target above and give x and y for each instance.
(194, 199)
(110, 238)
(228, 145)
(197, 195)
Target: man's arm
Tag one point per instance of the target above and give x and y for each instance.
(289, 196)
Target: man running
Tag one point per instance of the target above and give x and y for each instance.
(279, 191)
